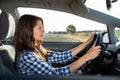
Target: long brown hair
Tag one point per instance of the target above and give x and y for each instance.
(24, 39)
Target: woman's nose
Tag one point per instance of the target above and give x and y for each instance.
(43, 30)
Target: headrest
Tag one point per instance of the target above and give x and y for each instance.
(7, 25)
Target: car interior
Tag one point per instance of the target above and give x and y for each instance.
(105, 67)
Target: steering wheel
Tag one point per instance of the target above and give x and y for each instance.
(103, 63)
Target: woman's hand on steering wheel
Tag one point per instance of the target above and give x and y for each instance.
(93, 52)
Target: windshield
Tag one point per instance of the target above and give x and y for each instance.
(100, 5)
(57, 25)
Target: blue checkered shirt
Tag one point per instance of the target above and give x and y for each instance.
(29, 64)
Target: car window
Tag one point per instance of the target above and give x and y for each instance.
(64, 27)
(0, 11)
(117, 31)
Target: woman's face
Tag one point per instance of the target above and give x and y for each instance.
(38, 31)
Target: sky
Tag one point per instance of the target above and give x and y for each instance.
(54, 20)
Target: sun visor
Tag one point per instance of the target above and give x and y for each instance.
(78, 7)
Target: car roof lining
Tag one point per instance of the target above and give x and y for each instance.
(68, 6)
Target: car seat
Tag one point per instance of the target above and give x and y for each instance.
(7, 51)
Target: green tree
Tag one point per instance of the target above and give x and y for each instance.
(71, 29)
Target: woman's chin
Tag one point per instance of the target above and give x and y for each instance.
(41, 39)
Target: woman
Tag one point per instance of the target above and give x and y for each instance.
(33, 59)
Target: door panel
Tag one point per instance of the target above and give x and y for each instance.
(60, 46)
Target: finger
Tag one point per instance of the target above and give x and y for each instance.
(98, 47)
(94, 44)
(93, 33)
(95, 41)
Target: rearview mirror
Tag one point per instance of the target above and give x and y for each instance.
(109, 3)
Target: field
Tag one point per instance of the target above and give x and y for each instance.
(117, 31)
(118, 34)
(77, 37)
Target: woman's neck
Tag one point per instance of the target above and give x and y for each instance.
(37, 43)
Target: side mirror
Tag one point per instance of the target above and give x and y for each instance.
(105, 38)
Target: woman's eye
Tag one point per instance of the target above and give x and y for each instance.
(40, 28)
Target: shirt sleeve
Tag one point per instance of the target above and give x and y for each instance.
(60, 57)
(36, 66)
